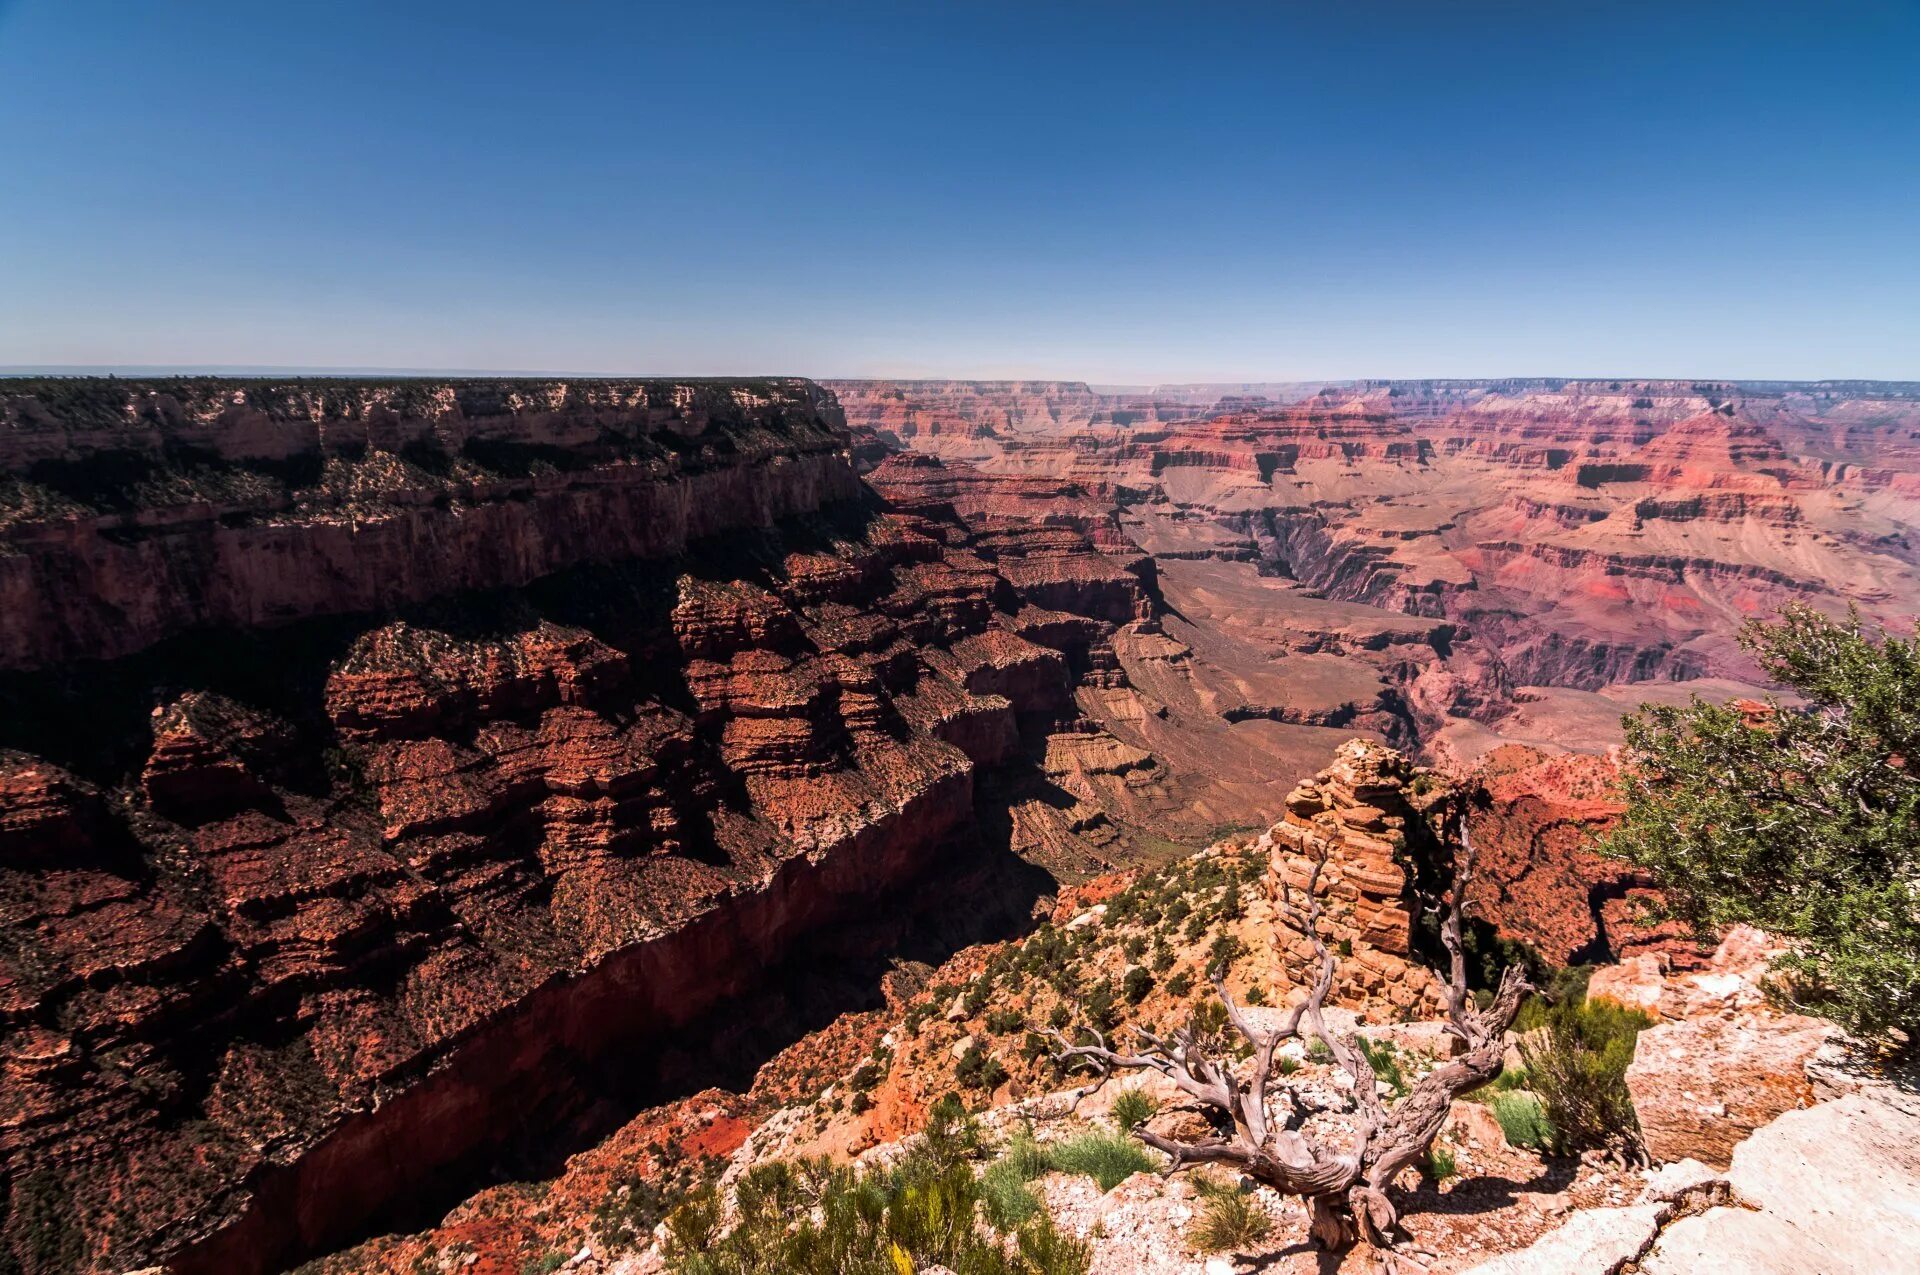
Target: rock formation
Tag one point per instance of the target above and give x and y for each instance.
(1366, 817)
(1579, 536)
(382, 759)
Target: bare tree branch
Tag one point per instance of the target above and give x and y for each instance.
(1345, 1189)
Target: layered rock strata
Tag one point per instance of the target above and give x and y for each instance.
(1364, 821)
(348, 890)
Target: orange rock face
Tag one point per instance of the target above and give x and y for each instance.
(1577, 536)
(1363, 821)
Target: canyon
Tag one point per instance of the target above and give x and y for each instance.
(398, 778)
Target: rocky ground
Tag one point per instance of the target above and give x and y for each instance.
(1132, 948)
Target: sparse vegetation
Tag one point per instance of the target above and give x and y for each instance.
(1523, 1120)
(811, 1217)
(1230, 1220)
(1108, 1158)
(1133, 1108)
(1577, 1054)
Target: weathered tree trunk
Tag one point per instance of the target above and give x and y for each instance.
(1346, 1192)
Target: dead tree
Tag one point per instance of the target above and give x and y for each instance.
(1345, 1187)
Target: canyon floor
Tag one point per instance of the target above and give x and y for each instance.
(467, 813)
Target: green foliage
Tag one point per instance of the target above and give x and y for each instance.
(1136, 985)
(811, 1217)
(1384, 1057)
(978, 1069)
(1108, 1158)
(1224, 951)
(626, 1215)
(1577, 1054)
(1439, 1164)
(1133, 1108)
(545, 1264)
(1004, 1022)
(1005, 1196)
(1180, 984)
(1804, 821)
(1229, 1220)
(1099, 1006)
(1522, 1119)
(1317, 1052)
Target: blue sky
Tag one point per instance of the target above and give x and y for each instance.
(1113, 192)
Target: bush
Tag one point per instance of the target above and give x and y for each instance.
(1229, 1220)
(1108, 1158)
(1004, 1022)
(1384, 1057)
(1005, 1197)
(811, 1217)
(1439, 1164)
(1099, 1006)
(1522, 1119)
(978, 1069)
(1136, 985)
(1804, 821)
(1577, 1054)
(1133, 1108)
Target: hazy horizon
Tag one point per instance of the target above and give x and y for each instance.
(238, 371)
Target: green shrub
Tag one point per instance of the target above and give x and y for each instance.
(1004, 1022)
(1133, 1108)
(1223, 952)
(1439, 1164)
(814, 1218)
(1180, 984)
(1804, 821)
(1229, 1221)
(1136, 985)
(978, 1069)
(1522, 1119)
(1317, 1052)
(1577, 1054)
(1384, 1057)
(1005, 1197)
(1099, 1006)
(1108, 1158)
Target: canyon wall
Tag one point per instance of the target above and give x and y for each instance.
(379, 761)
(1575, 535)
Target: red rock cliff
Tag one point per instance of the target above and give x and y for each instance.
(377, 761)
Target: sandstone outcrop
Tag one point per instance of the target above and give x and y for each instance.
(1723, 1062)
(1365, 817)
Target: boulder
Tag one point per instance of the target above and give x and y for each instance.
(1594, 1242)
(1636, 983)
(1831, 1189)
(1701, 1087)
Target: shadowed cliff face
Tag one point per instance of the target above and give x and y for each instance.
(326, 875)
(131, 511)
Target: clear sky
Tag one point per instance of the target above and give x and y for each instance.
(1112, 192)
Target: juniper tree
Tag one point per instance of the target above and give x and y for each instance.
(1802, 819)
